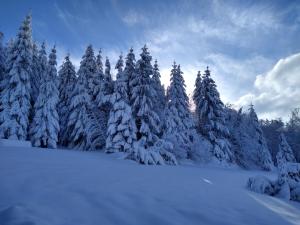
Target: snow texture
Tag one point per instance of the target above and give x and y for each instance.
(72, 187)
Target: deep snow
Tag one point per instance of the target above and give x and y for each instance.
(62, 187)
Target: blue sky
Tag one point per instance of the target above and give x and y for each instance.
(252, 47)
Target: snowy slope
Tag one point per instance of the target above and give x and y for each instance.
(61, 187)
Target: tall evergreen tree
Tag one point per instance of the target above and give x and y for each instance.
(45, 126)
(180, 125)
(88, 69)
(285, 153)
(67, 79)
(129, 71)
(159, 94)
(147, 121)
(99, 63)
(79, 122)
(2, 60)
(35, 78)
(52, 71)
(264, 159)
(121, 132)
(212, 116)
(198, 98)
(108, 82)
(16, 95)
(119, 66)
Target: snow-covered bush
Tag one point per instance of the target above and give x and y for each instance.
(200, 150)
(158, 154)
(287, 186)
(261, 184)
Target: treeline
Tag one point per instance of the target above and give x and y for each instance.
(88, 110)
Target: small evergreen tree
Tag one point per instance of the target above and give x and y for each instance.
(285, 153)
(212, 116)
(67, 79)
(16, 95)
(45, 127)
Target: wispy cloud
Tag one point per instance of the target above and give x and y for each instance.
(133, 17)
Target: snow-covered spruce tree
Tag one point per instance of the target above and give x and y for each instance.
(99, 63)
(79, 122)
(108, 81)
(159, 94)
(147, 150)
(212, 116)
(67, 79)
(52, 71)
(285, 153)
(99, 77)
(179, 123)
(45, 126)
(147, 120)
(16, 94)
(121, 132)
(35, 78)
(88, 69)
(129, 71)
(119, 67)
(198, 98)
(253, 128)
(2, 60)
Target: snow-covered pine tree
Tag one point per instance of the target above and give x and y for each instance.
(108, 81)
(79, 122)
(52, 71)
(2, 60)
(159, 94)
(212, 115)
(121, 131)
(88, 69)
(99, 63)
(16, 94)
(146, 119)
(129, 71)
(285, 153)
(119, 66)
(264, 159)
(35, 78)
(198, 98)
(67, 79)
(179, 123)
(99, 77)
(45, 126)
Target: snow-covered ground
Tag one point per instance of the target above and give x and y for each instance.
(61, 187)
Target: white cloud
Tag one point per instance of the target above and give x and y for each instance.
(276, 92)
(132, 17)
